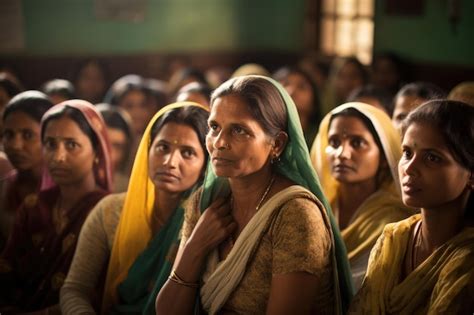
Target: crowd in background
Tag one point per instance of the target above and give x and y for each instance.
(296, 191)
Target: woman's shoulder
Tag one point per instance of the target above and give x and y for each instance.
(402, 227)
(299, 207)
(297, 198)
(108, 209)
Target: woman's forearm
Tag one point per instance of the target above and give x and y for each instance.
(180, 298)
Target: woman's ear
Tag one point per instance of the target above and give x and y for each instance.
(279, 143)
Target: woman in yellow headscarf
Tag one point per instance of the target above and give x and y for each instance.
(425, 264)
(138, 231)
(355, 154)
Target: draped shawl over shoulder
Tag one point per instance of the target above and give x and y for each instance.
(382, 207)
(294, 164)
(442, 284)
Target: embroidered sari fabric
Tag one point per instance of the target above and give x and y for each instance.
(442, 284)
(40, 248)
(140, 263)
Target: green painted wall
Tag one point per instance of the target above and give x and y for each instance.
(65, 27)
(427, 38)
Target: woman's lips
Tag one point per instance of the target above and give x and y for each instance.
(342, 168)
(410, 188)
(59, 171)
(219, 161)
(166, 176)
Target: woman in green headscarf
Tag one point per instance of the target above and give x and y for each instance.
(260, 236)
(138, 231)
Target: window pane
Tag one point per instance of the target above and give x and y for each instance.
(365, 32)
(365, 38)
(344, 37)
(327, 36)
(329, 6)
(346, 8)
(366, 8)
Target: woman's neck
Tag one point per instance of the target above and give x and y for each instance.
(441, 223)
(71, 194)
(29, 178)
(351, 196)
(247, 192)
(165, 205)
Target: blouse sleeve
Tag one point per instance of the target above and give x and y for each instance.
(79, 293)
(301, 240)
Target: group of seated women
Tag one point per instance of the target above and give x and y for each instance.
(228, 211)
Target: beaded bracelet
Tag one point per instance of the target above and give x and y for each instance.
(177, 279)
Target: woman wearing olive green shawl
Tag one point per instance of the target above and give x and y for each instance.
(381, 207)
(223, 278)
(138, 236)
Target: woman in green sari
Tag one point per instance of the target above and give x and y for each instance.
(259, 237)
(138, 231)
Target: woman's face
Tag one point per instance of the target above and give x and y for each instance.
(403, 106)
(429, 175)
(347, 80)
(237, 144)
(352, 152)
(68, 152)
(136, 103)
(176, 158)
(301, 92)
(91, 83)
(22, 141)
(118, 145)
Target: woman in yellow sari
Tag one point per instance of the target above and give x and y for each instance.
(137, 232)
(425, 264)
(355, 154)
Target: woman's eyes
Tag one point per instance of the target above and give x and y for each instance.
(428, 157)
(333, 142)
(432, 158)
(354, 142)
(238, 130)
(406, 153)
(235, 130)
(161, 147)
(49, 144)
(71, 145)
(213, 126)
(187, 153)
(358, 142)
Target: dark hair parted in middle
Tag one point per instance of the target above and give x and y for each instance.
(352, 112)
(33, 103)
(455, 122)
(192, 116)
(263, 99)
(78, 118)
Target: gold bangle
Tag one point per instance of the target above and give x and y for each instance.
(177, 279)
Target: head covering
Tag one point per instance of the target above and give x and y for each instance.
(463, 92)
(134, 230)
(294, 164)
(250, 69)
(388, 135)
(103, 167)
